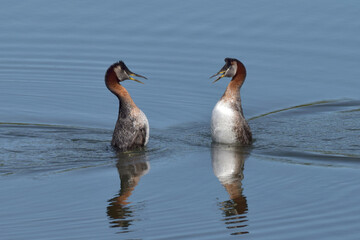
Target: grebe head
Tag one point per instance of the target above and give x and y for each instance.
(230, 69)
(122, 72)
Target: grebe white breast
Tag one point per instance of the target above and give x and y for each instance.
(228, 124)
(132, 126)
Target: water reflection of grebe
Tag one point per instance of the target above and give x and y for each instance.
(131, 167)
(228, 165)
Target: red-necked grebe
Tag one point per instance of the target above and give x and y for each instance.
(228, 124)
(132, 127)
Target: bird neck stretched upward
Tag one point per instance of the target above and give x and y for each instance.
(233, 88)
(118, 90)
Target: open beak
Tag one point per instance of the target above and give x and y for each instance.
(221, 76)
(222, 72)
(136, 75)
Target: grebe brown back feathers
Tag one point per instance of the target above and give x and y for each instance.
(132, 127)
(228, 124)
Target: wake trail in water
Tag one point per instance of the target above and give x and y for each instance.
(323, 133)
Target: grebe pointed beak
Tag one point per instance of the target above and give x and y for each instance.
(222, 72)
(137, 75)
(218, 78)
(134, 79)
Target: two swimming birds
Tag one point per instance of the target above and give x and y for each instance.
(228, 124)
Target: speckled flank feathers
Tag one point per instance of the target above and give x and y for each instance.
(132, 126)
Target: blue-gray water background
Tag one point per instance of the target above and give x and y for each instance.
(60, 179)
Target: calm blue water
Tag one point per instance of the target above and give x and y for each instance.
(60, 179)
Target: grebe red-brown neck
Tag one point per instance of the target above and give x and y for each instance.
(132, 127)
(233, 89)
(228, 124)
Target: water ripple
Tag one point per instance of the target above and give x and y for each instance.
(39, 148)
(320, 133)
